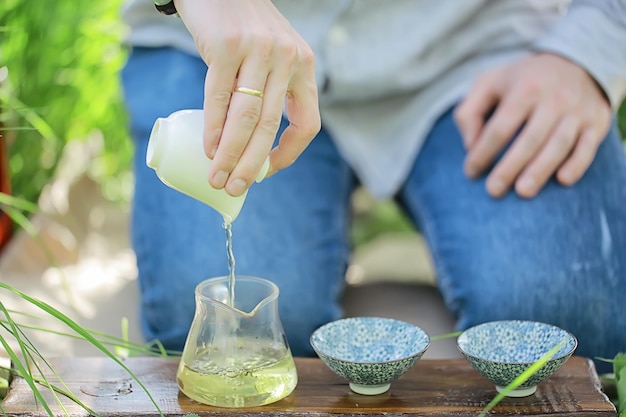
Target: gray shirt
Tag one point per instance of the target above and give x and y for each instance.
(387, 69)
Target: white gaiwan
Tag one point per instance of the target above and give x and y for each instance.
(176, 153)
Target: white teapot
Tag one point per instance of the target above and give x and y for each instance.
(176, 153)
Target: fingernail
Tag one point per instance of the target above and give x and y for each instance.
(212, 152)
(496, 186)
(219, 179)
(236, 187)
(526, 185)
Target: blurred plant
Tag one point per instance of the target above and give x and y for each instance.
(59, 68)
(616, 384)
(621, 120)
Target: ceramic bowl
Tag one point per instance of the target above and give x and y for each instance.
(369, 352)
(502, 350)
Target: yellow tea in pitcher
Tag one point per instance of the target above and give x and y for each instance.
(236, 353)
(248, 379)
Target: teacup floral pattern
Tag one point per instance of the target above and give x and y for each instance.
(502, 350)
(370, 350)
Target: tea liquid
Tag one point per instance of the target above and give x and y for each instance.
(228, 227)
(254, 375)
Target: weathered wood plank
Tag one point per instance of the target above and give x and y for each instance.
(431, 388)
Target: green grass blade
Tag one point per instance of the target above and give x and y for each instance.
(83, 333)
(27, 349)
(21, 220)
(17, 362)
(31, 348)
(66, 392)
(31, 116)
(123, 351)
(4, 381)
(523, 377)
(151, 348)
(13, 329)
(19, 203)
(30, 359)
(445, 336)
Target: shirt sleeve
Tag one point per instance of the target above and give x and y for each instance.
(592, 33)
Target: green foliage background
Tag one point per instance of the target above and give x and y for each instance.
(61, 62)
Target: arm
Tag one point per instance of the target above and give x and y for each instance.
(249, 44)
(560, 98)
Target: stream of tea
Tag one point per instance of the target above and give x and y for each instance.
(228, 227)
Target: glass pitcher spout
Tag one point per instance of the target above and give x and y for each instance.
(237, 355)
(219, 293)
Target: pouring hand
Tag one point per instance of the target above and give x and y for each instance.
(248, 43)
(561, 111)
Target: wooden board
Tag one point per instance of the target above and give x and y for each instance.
(430, 388)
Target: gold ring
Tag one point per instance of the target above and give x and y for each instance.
(249, 91)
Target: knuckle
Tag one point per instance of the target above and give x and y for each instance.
(306, 55)
(287, 51)
(229, 158)
(269, 124)
(528, 88)
(590, 140)
(263, 46)
(222, 98)
(499, 130)
(286, 162)
(564, 98)
(565, 141)
(314, 129)
(248, 115)
(231, 40)
(246, 171)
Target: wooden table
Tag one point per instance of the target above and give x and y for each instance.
(430, 388)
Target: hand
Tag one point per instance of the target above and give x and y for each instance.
(248, 43)
(561, 111)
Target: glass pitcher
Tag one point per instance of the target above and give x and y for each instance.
(236, 356)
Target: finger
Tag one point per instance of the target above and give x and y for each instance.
(243, 114)
(584, 152)
(556, 150)
(524, 148)
(218, 87)
(262, 138)
(473, 110)
(302, 110)
(498, 131)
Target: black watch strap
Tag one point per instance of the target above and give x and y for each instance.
(165, 7)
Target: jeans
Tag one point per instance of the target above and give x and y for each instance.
(558, 258)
